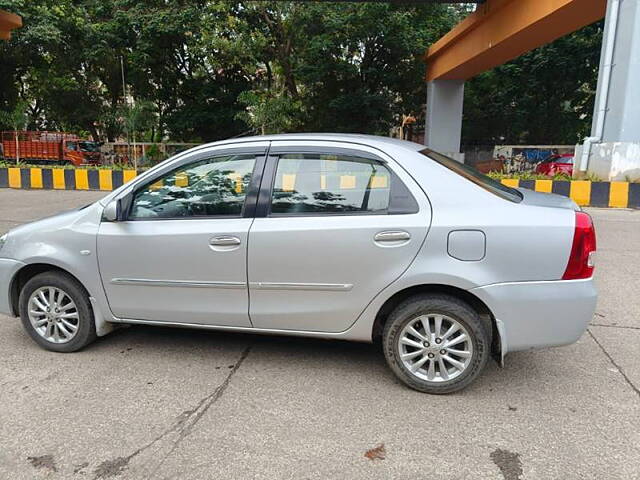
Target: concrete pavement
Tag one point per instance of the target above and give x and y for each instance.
(164, 403)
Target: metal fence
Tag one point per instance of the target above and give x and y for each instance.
(140, 154)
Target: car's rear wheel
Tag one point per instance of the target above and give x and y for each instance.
(55, 311)
(436, 343)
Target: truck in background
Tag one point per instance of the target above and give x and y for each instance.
(53, 148)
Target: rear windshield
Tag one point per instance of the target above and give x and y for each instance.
(475, 176)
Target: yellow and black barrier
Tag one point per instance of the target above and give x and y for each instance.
(586, 193)
(64, 178)
(583, 192)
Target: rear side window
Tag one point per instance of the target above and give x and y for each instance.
(474, 176)
(317, 184)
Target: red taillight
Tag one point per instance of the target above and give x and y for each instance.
(584, 245)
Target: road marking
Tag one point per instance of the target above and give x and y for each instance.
(58, 179)
(82, 179)
(106, 179)
(14, 178)
(619, 194)
(544, 186)
(580, 192)
(36, 178)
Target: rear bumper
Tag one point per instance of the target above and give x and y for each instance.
(540, 314)
(8, 269)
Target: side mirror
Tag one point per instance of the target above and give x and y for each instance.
(111, 212)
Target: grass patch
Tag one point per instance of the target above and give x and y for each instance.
(529, 176)
(115, 166)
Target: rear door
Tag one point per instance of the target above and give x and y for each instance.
(335, 224)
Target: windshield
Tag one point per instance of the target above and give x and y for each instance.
(474, 176)
(89, 147)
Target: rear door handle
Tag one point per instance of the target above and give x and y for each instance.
(392, 236)
(224, 241)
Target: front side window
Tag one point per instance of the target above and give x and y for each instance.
(212, 187)
(89, 147)
(339, 184)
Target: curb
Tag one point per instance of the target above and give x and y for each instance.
(36, 178)
(584, 192)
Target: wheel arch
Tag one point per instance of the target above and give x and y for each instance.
(476, 303)
(25, 274)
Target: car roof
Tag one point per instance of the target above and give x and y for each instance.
(372, 140)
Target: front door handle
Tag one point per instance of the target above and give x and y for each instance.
(224, 241)
(392, 236)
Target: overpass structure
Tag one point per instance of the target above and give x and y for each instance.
(8, 22)
(500, 30)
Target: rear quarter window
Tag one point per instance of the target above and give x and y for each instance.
(474, 176)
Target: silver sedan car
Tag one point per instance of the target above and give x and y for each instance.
(348, 237)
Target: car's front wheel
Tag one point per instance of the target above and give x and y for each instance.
(55, 311)
(436, 343)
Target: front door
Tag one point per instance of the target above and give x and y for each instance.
(180, 255)
(336, 228)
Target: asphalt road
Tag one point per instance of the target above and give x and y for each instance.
(176, 404)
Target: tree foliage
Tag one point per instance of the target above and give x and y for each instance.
(544, 97)
(198, 70)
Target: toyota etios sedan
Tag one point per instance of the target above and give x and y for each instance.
(334, 236)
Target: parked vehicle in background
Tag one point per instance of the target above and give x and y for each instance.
(54, 148)
(556, 164)
(349, 237)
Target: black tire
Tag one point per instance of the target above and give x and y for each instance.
(86, 332)
(479, 333)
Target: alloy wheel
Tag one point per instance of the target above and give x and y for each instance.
(53, 314)
(435, 347)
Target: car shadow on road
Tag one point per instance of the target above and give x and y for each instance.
(293, 354)
(299, 356)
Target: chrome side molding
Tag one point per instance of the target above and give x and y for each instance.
(176, 283)
(329, 287)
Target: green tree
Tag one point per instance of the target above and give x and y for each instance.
(48, 66)
(268, 113)
(138, 119)
(343, 66)
(17, 120)
(216, 69)
(543, 97)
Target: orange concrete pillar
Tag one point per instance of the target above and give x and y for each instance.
(8, 22)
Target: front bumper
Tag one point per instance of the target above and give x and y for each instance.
(8, 269)
(540, 314)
